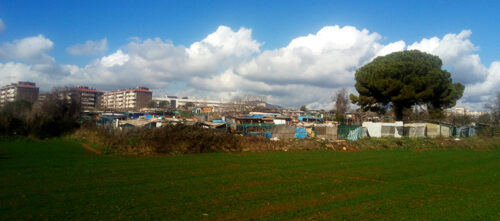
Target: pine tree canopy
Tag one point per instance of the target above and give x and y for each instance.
(403, 79)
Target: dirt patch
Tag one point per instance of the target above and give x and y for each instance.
(89, 148)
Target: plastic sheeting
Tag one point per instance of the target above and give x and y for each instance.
(414, 130)
(438, 130)
(345, 130)
(384, 129)
(446, 131)
(355, 134)
(464, 131)
(279, 122)
(433, 130)
(300, 133)
(218, 121)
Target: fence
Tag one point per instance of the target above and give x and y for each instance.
(255, 129)
(489, 131)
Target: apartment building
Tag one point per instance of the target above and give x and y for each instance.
(22, 90)
(129, 99)
(90, 98)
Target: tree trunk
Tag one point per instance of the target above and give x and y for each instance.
(398, 112)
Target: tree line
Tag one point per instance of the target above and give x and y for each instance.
(54, 115)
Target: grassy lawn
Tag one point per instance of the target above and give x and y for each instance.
(59, 179)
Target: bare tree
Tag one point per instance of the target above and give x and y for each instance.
(460, 119)
(494, 108)
(341, 102)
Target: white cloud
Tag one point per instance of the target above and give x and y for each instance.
(458, 55)
(325, 59)
(483, 91)
(30, 49)
(392, 47)
(2, 25)
(456, 51)
(116, 59)
(45, 75)
(89, 48)
(229, 63)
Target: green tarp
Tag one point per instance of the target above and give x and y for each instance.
(349, 132)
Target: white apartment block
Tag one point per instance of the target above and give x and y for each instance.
(129, 99)
(18, 91)
(464, 111)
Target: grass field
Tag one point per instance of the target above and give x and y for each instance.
(59, 179)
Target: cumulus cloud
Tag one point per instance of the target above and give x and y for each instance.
(89, 48)
(325, 59)
(30, 49)
(229, 63)
(457, 53)
(116, 59)
(2, 25)
(484, 91)
(306, 71)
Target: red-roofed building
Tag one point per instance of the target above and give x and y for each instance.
(90, 98)
(128, 99)
(22, 90)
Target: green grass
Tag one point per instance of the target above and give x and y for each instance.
(59, 179)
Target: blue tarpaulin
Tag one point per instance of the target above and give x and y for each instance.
(301, 118)
(300, 133)
(255, 116)
(218, 121)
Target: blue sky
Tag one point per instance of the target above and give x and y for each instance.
(273, 24)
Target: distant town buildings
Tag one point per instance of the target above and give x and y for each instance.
(22, 90)
(138, 98)
(206, 106)
(464, 111)
(175, 102)
(129, 99)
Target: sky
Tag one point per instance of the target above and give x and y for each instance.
(291, 52)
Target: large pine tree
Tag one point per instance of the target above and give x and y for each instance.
(403, 79)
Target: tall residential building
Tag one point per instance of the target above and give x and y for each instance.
(90, 98)
(22, 90)
(129, 99)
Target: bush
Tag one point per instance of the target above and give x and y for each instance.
(168, 139)
(183, 139)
